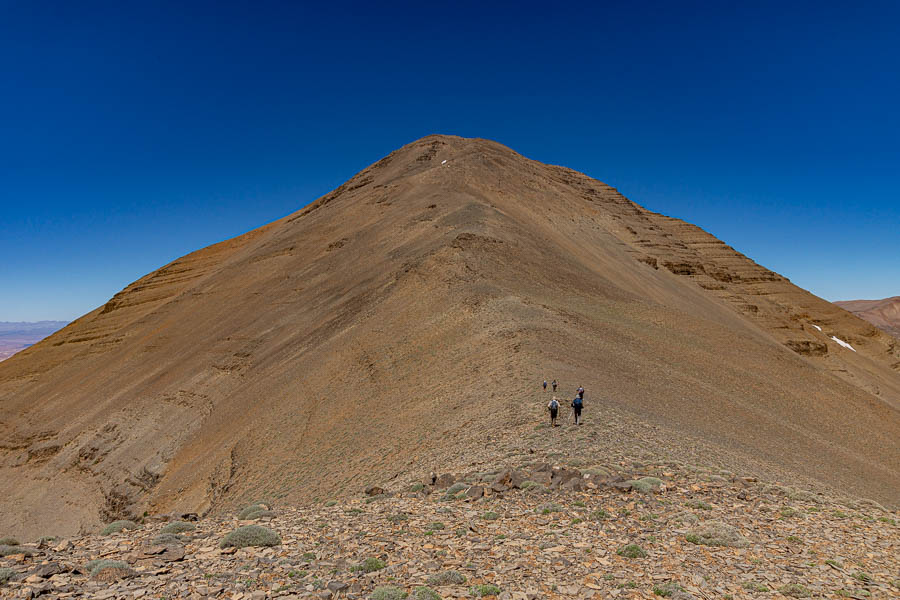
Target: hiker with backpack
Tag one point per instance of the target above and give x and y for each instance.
(545, 385)
(553, 407)
(554, 384)
(577, 405)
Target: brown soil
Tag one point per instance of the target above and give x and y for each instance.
(406, 319)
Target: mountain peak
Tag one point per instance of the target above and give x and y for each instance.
(409, 316)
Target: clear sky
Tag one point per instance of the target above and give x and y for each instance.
(134, 132)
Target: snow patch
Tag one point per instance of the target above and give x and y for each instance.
(843, 343)
(444, 161)
(817, 327)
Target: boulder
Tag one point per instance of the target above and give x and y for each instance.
(542, 474)
(560, 475)
(444, 481)
(475, 492)
(574, 484)
(374, 490)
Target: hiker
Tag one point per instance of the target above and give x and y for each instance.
(577, 405)
(580, 392)
(554, 384)
(545, 385)
(553, 407)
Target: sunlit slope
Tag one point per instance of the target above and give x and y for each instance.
(410, 314)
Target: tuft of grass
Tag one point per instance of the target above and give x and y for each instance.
(308, 556)
(178, 527)
(490, 516)
(331, 503)
(485, 589)
(446, 578)
(755, 587)
(6, 574)
(94, 567)
(370, 565)
(165, 539)
(788, 512)
(646, 485)
(456, 488)
(546, 509)
(117, 526)
(795, 590)
(256, 513)
(863, 577)
(245, 512)
(436, 526)
(667, 589)
(631, 551)
(8, 550)
(376, 498)
(398, 518)
(388, 592)
(250, 535)
(425, 593)
(9, 541)
(716, 533)
(699, 504)
(834, 563)
(417, 487)
(600, 515)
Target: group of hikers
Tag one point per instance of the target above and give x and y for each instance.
(553, 406)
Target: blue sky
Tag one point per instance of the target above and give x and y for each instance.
(133, 133)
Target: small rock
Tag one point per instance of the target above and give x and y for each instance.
(49, 570)
(337, 586)
(374, 490)
(475, 492)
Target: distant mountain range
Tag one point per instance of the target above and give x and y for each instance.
(883, 314)
(15, 336)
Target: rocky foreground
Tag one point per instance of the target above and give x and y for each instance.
(538, 531)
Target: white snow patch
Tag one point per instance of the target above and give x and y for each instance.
(843, 343)
(444, 161)
(817, 327)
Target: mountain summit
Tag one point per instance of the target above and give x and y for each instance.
(406, 320)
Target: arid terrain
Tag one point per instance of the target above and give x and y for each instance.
(884, 314)
(18, 336)
(530, 525)
(403, 323)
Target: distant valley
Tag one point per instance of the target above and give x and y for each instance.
(18, 336)
(883, 314)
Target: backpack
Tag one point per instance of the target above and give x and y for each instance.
(577, 401)
(554, 405)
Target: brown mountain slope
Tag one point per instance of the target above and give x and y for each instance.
(883, 314)
(404, 319)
